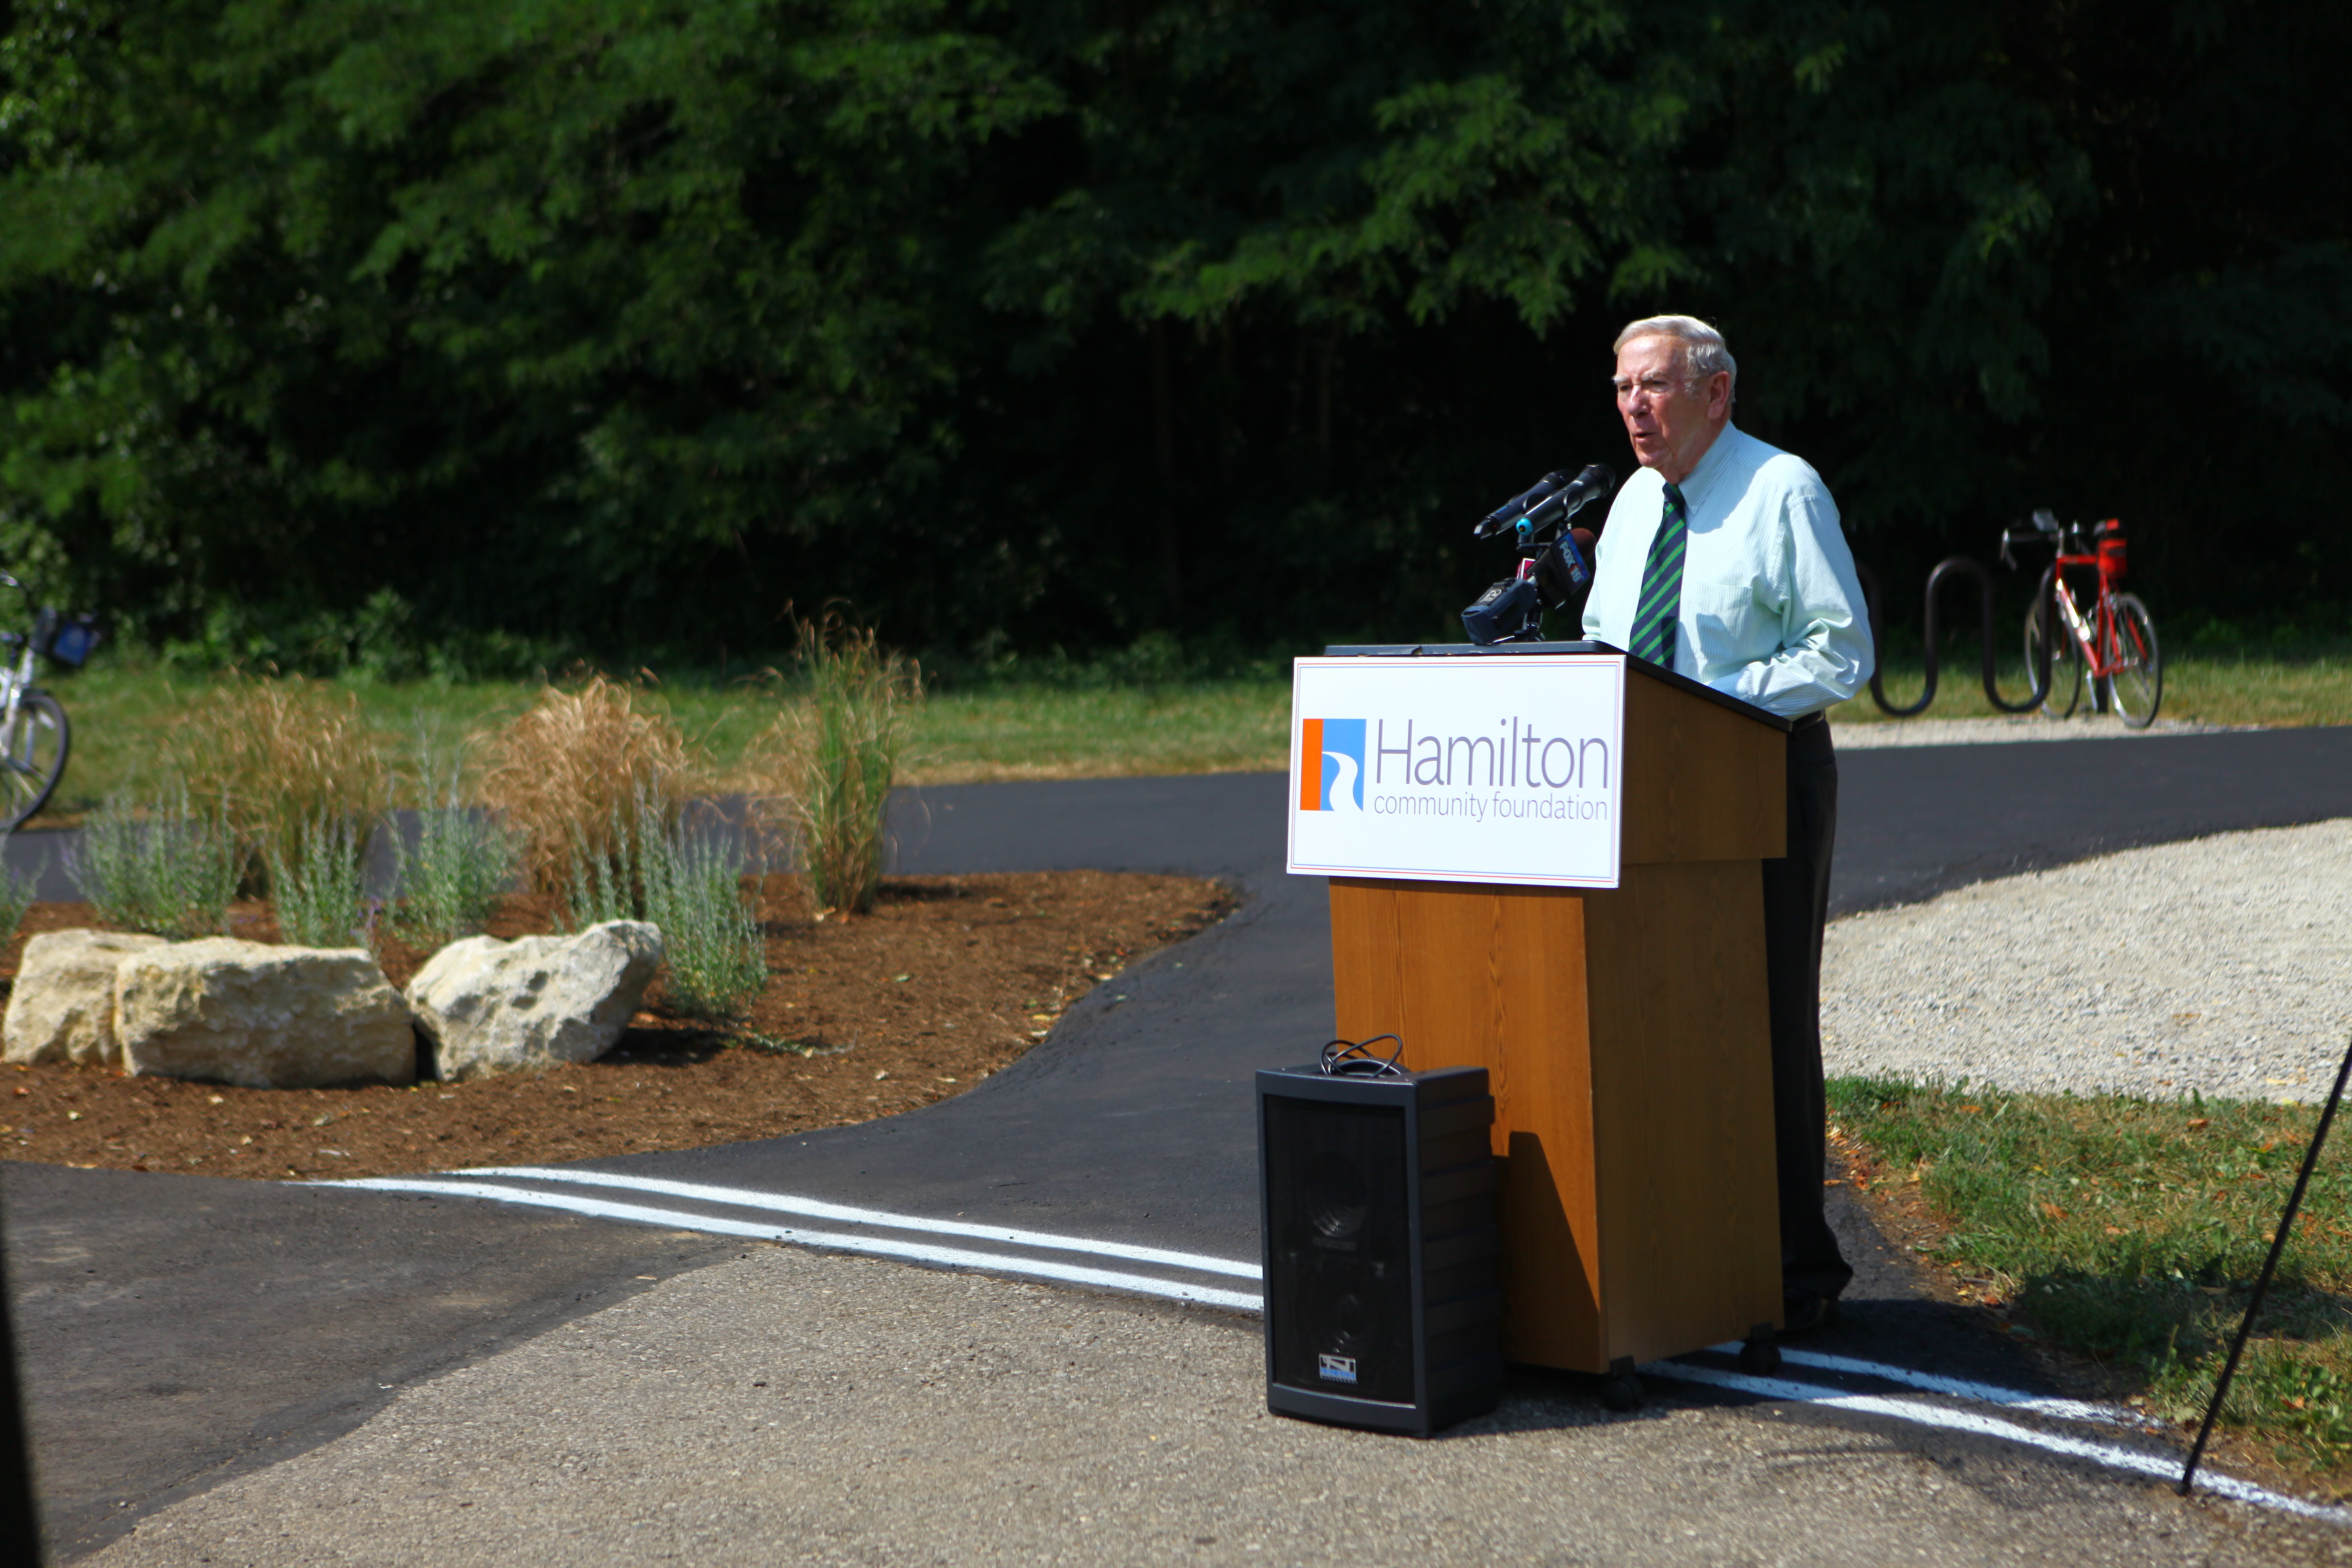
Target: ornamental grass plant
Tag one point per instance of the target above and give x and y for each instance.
(271, 756)
(159, 865)
(571, 773)
(833, 754)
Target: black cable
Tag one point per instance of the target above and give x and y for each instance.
(1354, 1058)
(2270, 1266)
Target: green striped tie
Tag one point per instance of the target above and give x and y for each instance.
(1661, 585)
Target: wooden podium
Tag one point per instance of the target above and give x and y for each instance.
(1625, 1033)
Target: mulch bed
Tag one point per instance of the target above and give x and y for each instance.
(950, 979)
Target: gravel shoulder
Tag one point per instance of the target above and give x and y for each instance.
(1874, 733)
(2220, 965)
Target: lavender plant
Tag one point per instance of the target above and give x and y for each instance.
(316, 884)
(158, 865)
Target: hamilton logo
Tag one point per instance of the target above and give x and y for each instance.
(1339, 784)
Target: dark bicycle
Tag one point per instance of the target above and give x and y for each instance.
(34, 735)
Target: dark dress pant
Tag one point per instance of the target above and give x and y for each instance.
(1796, 908)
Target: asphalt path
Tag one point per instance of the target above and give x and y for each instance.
(1133, 1119)
(1915, 821)
(173, 1331)
(177, 1330)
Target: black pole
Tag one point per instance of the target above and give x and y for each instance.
(2270, 1266)
(20, 1536)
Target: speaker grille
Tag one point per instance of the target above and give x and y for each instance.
(1340, 1300)
(1382, 1306)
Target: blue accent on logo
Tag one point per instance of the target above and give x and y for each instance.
(1343, 762)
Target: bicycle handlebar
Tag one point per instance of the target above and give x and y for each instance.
(2010, 536)
(2066, 538)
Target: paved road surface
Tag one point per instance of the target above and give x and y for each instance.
(214, 1327)
(781, 1407)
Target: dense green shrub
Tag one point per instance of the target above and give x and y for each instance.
(463, 333)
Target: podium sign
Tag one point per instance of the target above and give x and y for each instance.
(1500, 768)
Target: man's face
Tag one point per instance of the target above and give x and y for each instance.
(1672, 422)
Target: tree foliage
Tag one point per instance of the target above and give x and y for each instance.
(342, 325)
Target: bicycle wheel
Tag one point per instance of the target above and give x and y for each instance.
(2066, 664)
(32, 758)
(2137, 684)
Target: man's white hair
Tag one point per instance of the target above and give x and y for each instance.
(1704, 350)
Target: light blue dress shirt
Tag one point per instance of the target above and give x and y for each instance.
(1771, 613)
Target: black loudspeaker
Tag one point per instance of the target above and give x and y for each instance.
(1383, 1307)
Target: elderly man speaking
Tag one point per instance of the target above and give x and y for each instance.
(1722, 559)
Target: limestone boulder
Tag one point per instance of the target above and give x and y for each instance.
(61, 1009)
(536, 1002)
(261, 1016)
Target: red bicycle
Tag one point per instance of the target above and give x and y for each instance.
(2114, 641)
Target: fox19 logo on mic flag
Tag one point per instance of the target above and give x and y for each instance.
(1339, 784)
(1500, 768)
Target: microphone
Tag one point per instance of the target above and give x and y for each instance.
(1555, 498)
(1597, 481)
(1518, 505)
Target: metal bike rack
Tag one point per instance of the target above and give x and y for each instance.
(1961, 565)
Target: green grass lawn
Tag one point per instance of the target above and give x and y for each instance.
(1015, 732)
(2304, 683)
(1062, 729)
(981, 733)
(2130, 1231)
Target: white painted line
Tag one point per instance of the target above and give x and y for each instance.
(2163, 1467)
(1963, 1388)
(744, 1197)
(832, 1241)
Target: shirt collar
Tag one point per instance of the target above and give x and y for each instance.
(1703, 477)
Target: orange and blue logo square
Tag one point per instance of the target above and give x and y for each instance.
(1331, 764)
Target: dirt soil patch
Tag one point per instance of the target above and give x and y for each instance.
(950, 980)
